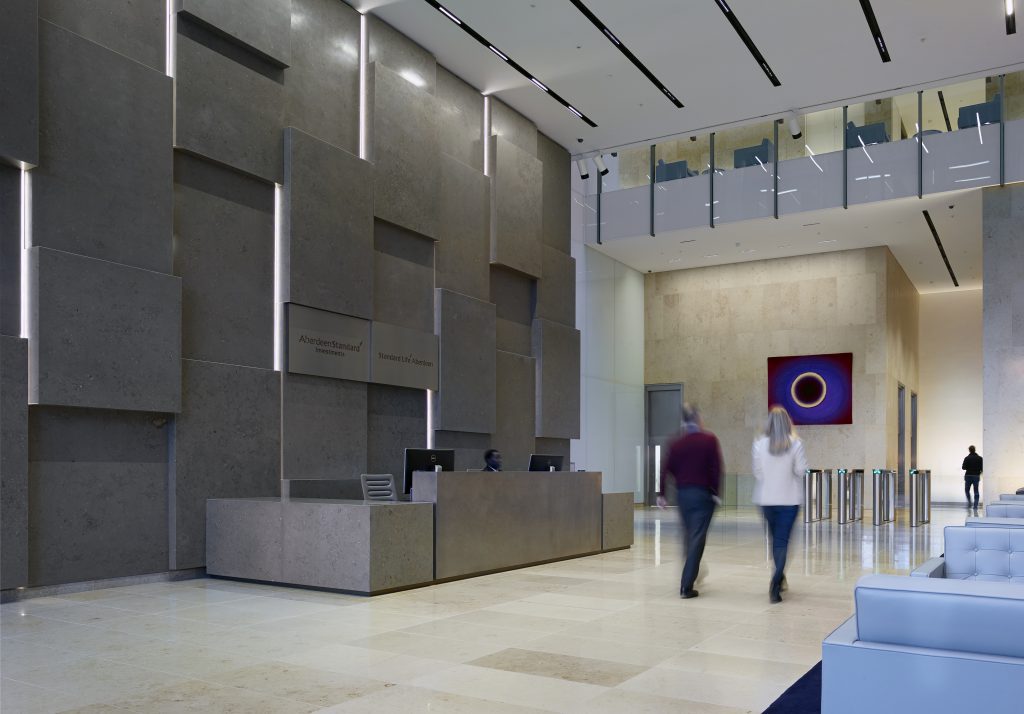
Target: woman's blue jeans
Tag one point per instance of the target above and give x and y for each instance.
(780, 524)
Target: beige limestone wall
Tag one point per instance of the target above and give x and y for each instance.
(950, 408)
(902, 335)
(1003, 345)
(714, 328)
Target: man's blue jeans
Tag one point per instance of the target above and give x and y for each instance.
(695, 509)
(780, 524)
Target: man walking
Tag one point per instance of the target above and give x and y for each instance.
(695, 463)
(972, 474)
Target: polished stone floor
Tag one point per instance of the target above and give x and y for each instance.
(601, 634)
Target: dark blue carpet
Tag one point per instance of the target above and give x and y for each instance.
(804, 697)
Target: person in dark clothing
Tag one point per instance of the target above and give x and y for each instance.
(972, 474)
(492, 460)
(695, 464)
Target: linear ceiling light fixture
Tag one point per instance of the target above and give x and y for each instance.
(876, 31)
(938, 243)
(509, 61)
(734, 21)
(626, 52)
(1011, 21)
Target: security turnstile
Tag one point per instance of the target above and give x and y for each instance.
(850, 489)
(920, 497)
(817, 495)
(883, 496)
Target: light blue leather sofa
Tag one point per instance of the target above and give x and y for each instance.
(1011, 497)
(990, 522)
(1005, 509)
(993, 554)
(934, 645)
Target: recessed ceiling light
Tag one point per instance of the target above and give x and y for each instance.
(713, 255)
(751, 47)
(876, 31)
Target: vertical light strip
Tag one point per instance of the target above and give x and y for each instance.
(278, 304)
(170, 54)
(487, 136)
(25, 226)
(430, 418)
(657, 469)
(364, 68)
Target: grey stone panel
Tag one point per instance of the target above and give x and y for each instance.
(462, 130)
(469, 448)
(396, 420)
(10, 251)
(13, 463)
(351, 488)
(135, 29)
(227, 443)
(513, 127)
(19, 83)
(405, 153)
(512, 295)
(514, 405)
(103, 184)
(391, 49)
(403, 278)
(556, 290)
(516, 193)
(402, 546)
(557, 349)
(229, 104)
(72, 434)
(327, 546)
(245, 539)
(224, 238)
(95, 520)
(556, 447)
(463, 251)
(324, 428)
(105, 335)
(261, 26)
(556, 222)
(465, 398)
(617, 520)
(322, 83)
(327, 225)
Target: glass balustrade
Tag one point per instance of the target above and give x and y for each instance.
(1013, 88)
(681, 183)
(811, 164)
(960, 135)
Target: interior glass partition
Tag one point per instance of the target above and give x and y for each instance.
(625, 193)
(881, 149)
(960, 135)
(681, 183)
(1013, 88)
(811, 166)
(744, 177)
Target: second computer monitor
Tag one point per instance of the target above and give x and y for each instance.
(545, 462)
(426, 460)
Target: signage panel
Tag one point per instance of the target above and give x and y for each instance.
(404, 357)
(327, 344)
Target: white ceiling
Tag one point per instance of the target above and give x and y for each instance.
(897, 223)
(820, 49)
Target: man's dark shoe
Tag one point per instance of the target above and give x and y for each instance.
(687, 594)
(775, 597)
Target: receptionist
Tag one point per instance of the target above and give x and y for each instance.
(492, 460)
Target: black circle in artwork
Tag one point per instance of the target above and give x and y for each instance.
(809, 389)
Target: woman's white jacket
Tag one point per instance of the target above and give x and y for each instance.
(779, 477)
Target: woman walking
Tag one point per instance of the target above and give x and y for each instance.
(779, 467)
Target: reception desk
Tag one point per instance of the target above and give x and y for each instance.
(485, 521)
(458, 524)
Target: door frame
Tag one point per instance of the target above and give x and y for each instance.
(649, 475)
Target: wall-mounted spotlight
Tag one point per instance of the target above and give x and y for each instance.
(794, 125)
(599, 163)
(581, 164)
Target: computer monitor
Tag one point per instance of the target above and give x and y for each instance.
(544, 462)
(426, 460)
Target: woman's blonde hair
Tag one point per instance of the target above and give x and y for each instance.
(779, 430)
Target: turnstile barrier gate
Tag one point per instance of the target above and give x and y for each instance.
(920, 497)
(817, 495)
(883, 496)
(851, 495)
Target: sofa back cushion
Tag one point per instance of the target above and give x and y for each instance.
(985, 554)
(991, 522)
(1011, 497)
(980, 617)
(1005, 509)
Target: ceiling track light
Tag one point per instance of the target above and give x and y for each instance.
(581, 166)
(1011, 21)
(793, 122)
(596, 22)
(751, 47)
(876, 31)
(601, 167)
(510, 62)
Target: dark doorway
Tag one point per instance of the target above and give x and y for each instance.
(663, 420)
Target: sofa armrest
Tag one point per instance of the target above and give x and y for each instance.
(934, 568)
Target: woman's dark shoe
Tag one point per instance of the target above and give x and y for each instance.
(687, 594)
(774, 597)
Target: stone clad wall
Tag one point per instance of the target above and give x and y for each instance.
(173, 212)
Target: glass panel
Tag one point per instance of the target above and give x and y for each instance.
(625, 198)
(1014, 158)
(881, 149)
(961, 135)
(682, 187)
(811, 166)
(743, 177)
